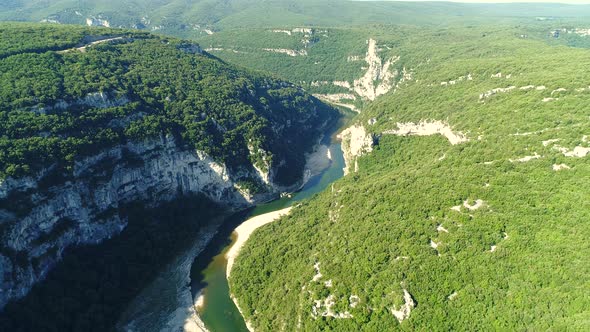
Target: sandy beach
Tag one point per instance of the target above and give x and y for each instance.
(243, 233)
(246, 229)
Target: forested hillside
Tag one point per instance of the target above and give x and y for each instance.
(136, 86)
(465, 204)
(98, 128)
(470, 213)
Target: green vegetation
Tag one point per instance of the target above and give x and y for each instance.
(516, 263)
(189, 18)
(59, 106)
(497, 73)
(326, 58)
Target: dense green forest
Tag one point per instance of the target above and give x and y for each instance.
(332, 56)
(71, 92)
(326, 58)
(487, 234)
(57, 106)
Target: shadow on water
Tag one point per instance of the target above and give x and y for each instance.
(220, 241)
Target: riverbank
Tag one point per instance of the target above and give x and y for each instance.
(167, 303)
(218, 308)
(246, 229)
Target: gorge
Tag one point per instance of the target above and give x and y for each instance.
(432, 158)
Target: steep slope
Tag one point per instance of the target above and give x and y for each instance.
(347, 67)
(470, 212)
(93, 119)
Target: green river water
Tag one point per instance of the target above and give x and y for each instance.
(208, 274)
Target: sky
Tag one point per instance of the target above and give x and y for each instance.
(577, 2)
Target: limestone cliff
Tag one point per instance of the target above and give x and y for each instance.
(39, 220)
(355, 142)
(138, 118)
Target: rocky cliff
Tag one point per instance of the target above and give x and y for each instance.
(128, 118)
(355, 142)
(40, 220)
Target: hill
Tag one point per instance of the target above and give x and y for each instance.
(463, 208)
(95, 121)
(464, 203)
(195, 18)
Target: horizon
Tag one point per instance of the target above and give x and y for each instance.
(492, 2)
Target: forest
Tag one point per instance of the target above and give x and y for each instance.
(426, 233)
(70, 93)
(57, 106)
(484, 234)
(189, 18)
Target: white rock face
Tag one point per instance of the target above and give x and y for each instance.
(527, 87)
(93, 99)
(355, 143)
(343, 84)
(404, 311)
(577, 152)
(286, 51)
(550, 141)
(433, 244)
(335, 97)
(427, 128)
(288, 32)
(84, 209)
(582, 32)
(377, 70)
(559, 167)
(558, 91)
(478, 204)
(353, 58)
(318, 274)
(526, 158)
(492, 92)
(336, 100)
(265, 176)
(303, 30)
(467, 77)
(318, 83)
(50, 20)
(97, 22)
(325, 309)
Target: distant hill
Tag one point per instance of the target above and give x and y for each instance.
(190, 18)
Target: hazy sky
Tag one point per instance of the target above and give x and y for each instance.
(508, 1)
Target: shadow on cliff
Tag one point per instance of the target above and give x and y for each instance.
(92, 285)
(221, 240)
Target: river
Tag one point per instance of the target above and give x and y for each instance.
(208, 274)
(167, 303)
